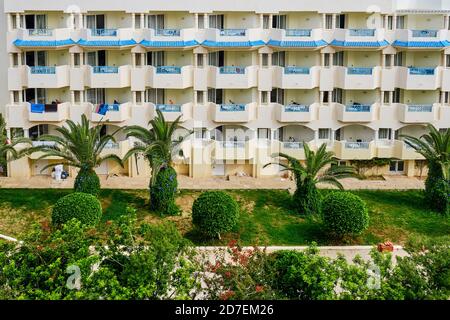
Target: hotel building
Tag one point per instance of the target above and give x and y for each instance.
(250, 78)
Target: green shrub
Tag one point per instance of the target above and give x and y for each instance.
(344, 214)
(162, 194)
(82, 206)
(306, 198)
(215, 212)
(87, 181)
(437, 189)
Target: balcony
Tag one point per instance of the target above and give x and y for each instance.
(355, 36)
(347, 150)
(108, 34)
(42, 34)
(356, 112)
(119, 148)
(418, 113)
(169, 34)
(419, 78)
(293, 149)
(293, 77)
(232, 77)
(296, 34)
(48, 77)
(234, 113)
(358, 78)
(104, 32)
(295, 113)
(16, 115)
(405, 36)
(166, 77)
(222, 37)
(405, 152)
(48, 112)
(234, 150)
(110, 112)
(172, 111)
(108, 76)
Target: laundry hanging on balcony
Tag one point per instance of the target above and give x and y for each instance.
(101, 109)
(37, 108)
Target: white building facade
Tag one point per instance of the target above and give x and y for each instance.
(249, 78)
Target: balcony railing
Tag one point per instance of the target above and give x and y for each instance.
(296, 108)
(298, 32)
(104, 32)
(42, 70)
(421, 71)
(168, 70)
(112, 145)
(233, 32)
(40, 32)
(232, 70)
(105, 69)
(233, 144)
(43, 143)
(362, 32)
(168, 107)
(357, 145)
(232, 107)
(424, 33)
(293, 145)
(105, 107)
(359, 71)
(357, 108)
(167, 32)
(43, 108)
(296, 70)
(420, 108)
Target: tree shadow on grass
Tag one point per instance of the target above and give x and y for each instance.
(32, 199)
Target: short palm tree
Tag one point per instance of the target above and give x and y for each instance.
(157, 144)
(79, 145)
(434, 146)
(318, 167)
(8, 149)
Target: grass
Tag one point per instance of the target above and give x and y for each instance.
(266, 218)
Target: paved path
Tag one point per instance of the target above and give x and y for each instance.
(390, 183)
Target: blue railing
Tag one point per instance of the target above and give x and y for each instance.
(296, 108)
(168, 107)
(293, 145)
(357, 145)
(105, 69)
(420, 108)
(232, 107)
(362, 32)
(168, 69)
(42, 70)
(112, 107)
(422, 71)
(40, 32)
(104, 32)
(232, 70)
(167, 32)
(358, 108)
(298, 32)
(424, 33)
(359, 71)
(296, 70)
(233, 32)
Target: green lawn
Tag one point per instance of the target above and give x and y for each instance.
(266, 216)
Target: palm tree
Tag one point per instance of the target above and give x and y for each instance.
(79, 145)
(319, 167)
(434, 146)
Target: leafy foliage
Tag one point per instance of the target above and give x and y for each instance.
(87, 181)
(344, 214)
(319, 167)
(437, 189)
(162, 194)
(81, 206)
(215, 212)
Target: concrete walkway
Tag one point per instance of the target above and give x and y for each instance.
(390, 183)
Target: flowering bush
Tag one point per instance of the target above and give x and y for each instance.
(162, 194)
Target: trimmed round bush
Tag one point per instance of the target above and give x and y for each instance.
(215, 212)
(162, 194)
(87, 181)
(344, 214)
(82, 206)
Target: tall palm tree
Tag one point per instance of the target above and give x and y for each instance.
(318, 167)
(79, 145)
(155, 143)
(434, 146)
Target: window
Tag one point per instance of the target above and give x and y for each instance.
(215, 96)
(35, 95)
(324, 133)
(201, 21)
(279, 21)
(386, 97)
(398, 59)
(155, 21)
(390, 23)
(95, 21)
(216, 21)
(326, 97)
(200, 133)
(200, 60)
(35, 21)
(264, 96)
(263, 133)
(77, 59)
(446, 97)
(266, 21)
(447, 60)
(329, 21)
(36, 131)
(279, 59)
(155, 96)
(338, 58)
(200, 97)
(35, 58)
(265, 60)
(384, 133)
(95, 96)
(326, 60)
(396, 96)
(138, 97)
(216, 59)
(388, 60)
(340, 21)
(277, 96)
(448, 22)
(400, 22)
(155, 58)
(77, 96)
(17, 133)
(16, 96)
(15, 59)
(397, 166)
(337, 95)
(96, 58)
